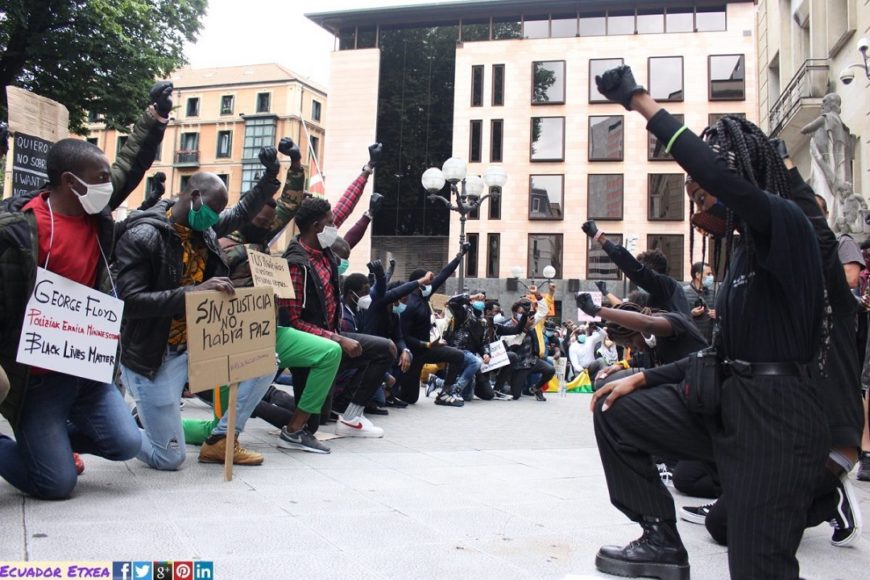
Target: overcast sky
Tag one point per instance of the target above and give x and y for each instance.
(258, 31)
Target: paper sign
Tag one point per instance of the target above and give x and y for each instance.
(497, 357)
(439, 302)
(34, 115)
(229, 338)
(271, 272)
(70, 328)
(29, 157)
(583, 317)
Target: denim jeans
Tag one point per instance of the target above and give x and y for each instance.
(60, 415)
(158, 404)
(465, 382)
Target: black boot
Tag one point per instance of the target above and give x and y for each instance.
(658, 553)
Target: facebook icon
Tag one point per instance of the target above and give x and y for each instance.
(203, 570)
(121, 570)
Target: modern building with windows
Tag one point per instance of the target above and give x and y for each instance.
(221, 119)
(805, 46)
(511, 83)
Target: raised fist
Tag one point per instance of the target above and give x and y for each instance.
(269, 159)
(287, 147)
(376, 267)
(618, 85)
(590, 228)
(375, 203)
(375, 152)
(586, 304)
(464, 248)
(161, 97)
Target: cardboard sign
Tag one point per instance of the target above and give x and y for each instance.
(70, 328)
(271, 272)
(229, 338)
(583, 317)
(29, 155)
(439, 302)
(34, 115)
(497, 357)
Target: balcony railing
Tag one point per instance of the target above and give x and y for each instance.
(810, 81)
(187, 157)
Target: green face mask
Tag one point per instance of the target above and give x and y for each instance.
(202, 218)
(343, 266)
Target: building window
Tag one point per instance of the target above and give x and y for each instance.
(656, 149)
(224, 144)
(727, 77)
(563, 26)
(494, 203)
(183, 182)
(536, 26)
(225, 178)
(546, 196)
(496, 137)
(476, 144)
(680, 20)
(605, 193)
(189, 142)
(593, 24)
(599, 266)
(548, 82)
(477, 86)
(158, 153)
(713, 118)
(91, 140)
(650, 21)
(548, 139)
(507, 28)
(193, 107)
(93, 117)
(314, 148)
(315, 110)
(710, 19)
(666, 78)
(347, 38)
(122, 140)
(666, 199)
(597, 66)
(606, 138)
(227, 103)
(474, 30)
(671, 245)
(493, 244)
(258, 133)
(366, 37)
(471, 257)
(544, 250)
(264, 102)
(497, 85)
(620, 22)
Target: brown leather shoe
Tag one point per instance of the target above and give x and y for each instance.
(215, 453)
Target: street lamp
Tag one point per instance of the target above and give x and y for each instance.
(846, 75)
(468, 196)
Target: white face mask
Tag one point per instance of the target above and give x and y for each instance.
(650, 341)
(708, 281)
(96, 197)
(499, 319)
(364, 302)
(327, 237)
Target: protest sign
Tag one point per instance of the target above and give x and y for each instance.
(38, 116)
(29, 157)
(70, 328)
(438, 302)
(271, 272)
(583, 317)
(230, 338)
(497, 357)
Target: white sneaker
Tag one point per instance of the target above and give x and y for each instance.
(359, 427)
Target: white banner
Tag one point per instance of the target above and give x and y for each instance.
(70, 328)
(497, 357)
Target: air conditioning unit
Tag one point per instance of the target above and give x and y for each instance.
(573, 285)
(512, 284)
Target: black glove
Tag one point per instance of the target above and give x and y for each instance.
(602, 286)
(4, 138)
(586, 304)
(287, 147)
(376, 267)
(464, 248)
(269, 159)
(161, 97)
(375, 203)
(375, 152)
(590, 228)
(618, 85)
(392, 262)
(780, 147)
(158, 185)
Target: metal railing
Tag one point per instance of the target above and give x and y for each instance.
(810, 81)
(187, 157)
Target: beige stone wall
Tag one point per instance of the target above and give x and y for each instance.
(517, 56)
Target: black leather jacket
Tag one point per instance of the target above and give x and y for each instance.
(148, 268)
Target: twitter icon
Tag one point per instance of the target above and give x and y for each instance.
(142, 571)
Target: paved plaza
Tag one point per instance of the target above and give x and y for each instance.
(496, 489)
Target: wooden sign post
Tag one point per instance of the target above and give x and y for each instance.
(230, 339)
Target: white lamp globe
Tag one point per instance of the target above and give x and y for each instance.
(516, 271)
(454, 169)
(549, 272)
(495, 177)
(474, 186)
(432, 179)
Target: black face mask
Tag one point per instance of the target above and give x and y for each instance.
(254, 234)
(711, 221)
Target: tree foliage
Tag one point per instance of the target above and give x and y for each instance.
(94, 55)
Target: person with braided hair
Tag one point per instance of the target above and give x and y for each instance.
(765, 426)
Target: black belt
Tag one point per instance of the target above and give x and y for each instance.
(743, 368)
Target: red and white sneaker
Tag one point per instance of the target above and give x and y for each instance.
(80, 465)
(358, 427)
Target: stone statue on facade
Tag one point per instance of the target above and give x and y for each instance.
(831, 157)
